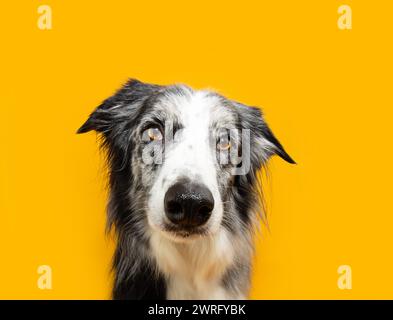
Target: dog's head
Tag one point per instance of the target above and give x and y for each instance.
(183, 162)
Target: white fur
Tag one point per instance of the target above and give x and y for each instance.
(194, 270)
(195, 113)
(194, 267)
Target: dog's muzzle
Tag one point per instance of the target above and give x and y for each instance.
(188, 205)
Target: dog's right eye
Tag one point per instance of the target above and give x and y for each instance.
(224, 145)
(154, 134)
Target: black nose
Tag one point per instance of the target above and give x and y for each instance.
(188, 204)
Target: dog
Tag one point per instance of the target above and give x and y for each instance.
(183, 210)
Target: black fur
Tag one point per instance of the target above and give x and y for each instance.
(116, 127)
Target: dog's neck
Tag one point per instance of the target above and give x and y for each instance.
(195, 270)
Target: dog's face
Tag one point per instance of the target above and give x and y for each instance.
(182, 162)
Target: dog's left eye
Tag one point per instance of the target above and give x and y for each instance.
(154, 134)
(223, 144)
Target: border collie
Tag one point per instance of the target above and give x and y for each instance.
(184, 189)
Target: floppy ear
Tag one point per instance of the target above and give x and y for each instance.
(121, 107)
(266, 144)
(277, 148)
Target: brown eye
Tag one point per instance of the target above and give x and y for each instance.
(154, 134)
(223, 145)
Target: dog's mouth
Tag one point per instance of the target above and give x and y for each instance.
(184, 232)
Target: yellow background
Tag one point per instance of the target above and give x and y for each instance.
(327, 95)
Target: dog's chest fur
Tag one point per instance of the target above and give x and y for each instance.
(195, 270)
